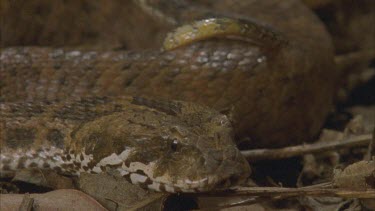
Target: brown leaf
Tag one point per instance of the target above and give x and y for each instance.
(355, 125)
(358, 176)
(368, 116)
(329, 203)
(368, 203)
(66, 199)
(44, 178)
(115, 193)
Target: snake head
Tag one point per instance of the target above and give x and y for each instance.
(179, 147)
(200, 156)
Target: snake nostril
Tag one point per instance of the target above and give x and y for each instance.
(174, 145)
(222, 184)
(234, 180)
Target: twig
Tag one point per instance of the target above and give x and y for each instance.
(371, 147)
(287, 152)
(266, 194)
(294, 192)
(346, 60)
(27, 203)
(246, 202)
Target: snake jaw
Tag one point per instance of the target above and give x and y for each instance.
(230, 172)
(187, 186)
(221, 178)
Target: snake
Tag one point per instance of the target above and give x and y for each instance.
(171, 119)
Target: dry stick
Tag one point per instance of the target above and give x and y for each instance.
(371, 147)
(345, 60)
(246, 202)
(27, 203)
(260, 194)
(288, 152)
(294, 192)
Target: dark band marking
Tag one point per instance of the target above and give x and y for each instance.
(33, 165)
(91, 165)
(20, 137)
(67, 166)
(77, 164)
(127, 163)
(6, 167)
(162, 187)
(6, 161)
(127, 177)
(145, 183)
(114, 166)
(148, 181)
(86, 109)
(168, 107)
(370, 181)
(26, 109)
(46, 165)
(177, 189)
(56, 138)
(64, 158)
(68, 157)
(57, 169)
(21, 163)
(140, 172)
(71, 171)
(81, 157)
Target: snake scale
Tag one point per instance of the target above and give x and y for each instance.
(268, 68)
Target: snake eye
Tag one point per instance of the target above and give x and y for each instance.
(174, 145)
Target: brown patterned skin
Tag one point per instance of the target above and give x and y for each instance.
(277, 97)
(166, 134)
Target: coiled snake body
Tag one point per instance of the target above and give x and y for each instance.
(65, 110)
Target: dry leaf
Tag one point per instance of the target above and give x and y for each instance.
(61, 200)
(355, 125)
(115, 193)
(368, 203)
(44, 178)
(329, 203)
(358, 176)
(368, 115)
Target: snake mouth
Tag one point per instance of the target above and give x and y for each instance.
(203, 185)
(231, 181)
(226, 174)
(217, 181)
